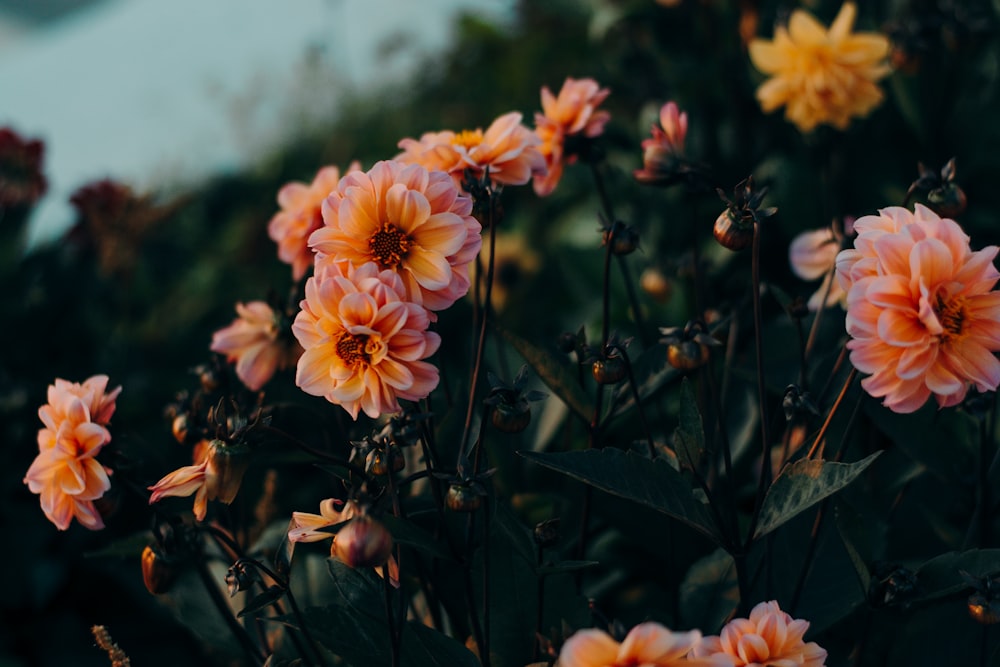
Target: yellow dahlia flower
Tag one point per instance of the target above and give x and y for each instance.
(819, 75)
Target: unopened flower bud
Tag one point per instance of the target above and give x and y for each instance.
(947, 201)
(239, 577)
(983, 609)
(610, 370)
(463, 498)
(224, 473)
(623, 238)
(376, 463)
(363, 542)
(655, 284)
(732, 231)
(511, 417)
(687, 355)
(546, 533)
(158, 571)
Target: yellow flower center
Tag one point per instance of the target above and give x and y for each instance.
(952, 316)
(468, 138)
(389, 245)
(351, 349)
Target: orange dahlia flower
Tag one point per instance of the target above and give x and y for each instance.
(507, 148)
(253, 342)
(66, 473)
(364, 342)
(646, 645)
(920, 309)
(573, 112)
(217, 475)
(769, 638)
(299, 217)
(408, 220)
(821, 76)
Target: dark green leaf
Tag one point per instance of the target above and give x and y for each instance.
(651, 483)
(689, 438)
(803, 484)
(556, 374)
(426, 647)
(271, 595)
(848, 527)
(408, 533)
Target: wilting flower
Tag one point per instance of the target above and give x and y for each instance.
(646, 645)
(920, 309)
(217, 475)
(66, 473)
(573, 113)
(408, 220)
(507, 148)
(300, 216)
(821, 76)
(255, 343)
(371, 537)
(21, 180)
(768, 638)
(662, 154)
(813, 255)
(364, 342)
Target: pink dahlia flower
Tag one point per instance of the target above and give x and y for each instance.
(253, 342)
(920, 309)
(507, 148)
(299, 217)
(364, 342)
(573, 112)
(66, 473)
(646, 645)
(769, 638)
(405, 219)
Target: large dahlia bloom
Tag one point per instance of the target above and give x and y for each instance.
(66, 473)
(364, 341)
(299, 217)
(920, 309)
(507, 148)
(769, 638)
(646, 645)
(407, 220)
(573, 112)
(253, 341)
(821, 76)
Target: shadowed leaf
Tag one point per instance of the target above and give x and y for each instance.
(803, 484)
(652, 483)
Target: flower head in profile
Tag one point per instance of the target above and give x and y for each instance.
(813, 255)
(920, 309)
(646, 645)
(769, 638)
(508, 149)
(66, 473)
(216, 475)
(573, 113)
(254, 342)
(308, 527)
(300, 216)
(663, 154)
(364, 342)
(408, 220)
(821, 76)
(21, 180)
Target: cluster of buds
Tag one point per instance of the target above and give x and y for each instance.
(734, 228)
(943, 194)
(511, 412)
